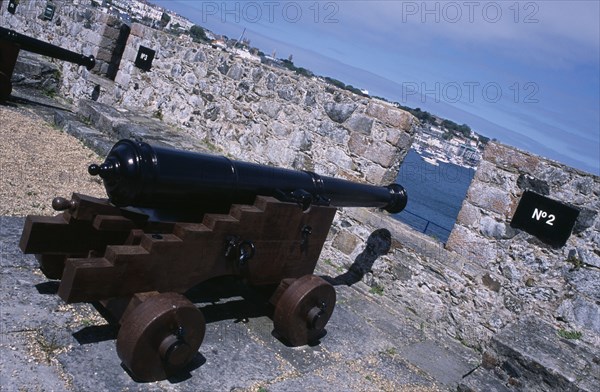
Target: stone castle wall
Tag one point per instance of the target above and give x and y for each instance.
(243, 108)
(487, 276)
(530, 274)
(75, 26)
(259, 113)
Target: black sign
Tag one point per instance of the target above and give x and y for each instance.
(549, 220)
(49, 11)
(144, 58)
(12, 6)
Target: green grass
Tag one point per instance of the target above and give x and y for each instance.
(377, 289)
(563, 333)
(576, 261)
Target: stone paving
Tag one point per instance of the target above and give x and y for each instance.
(48, 345)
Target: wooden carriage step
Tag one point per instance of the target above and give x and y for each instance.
(190, 231)
(122, 254)
(242, 211)
(156, 242)
(112, 222)
(216, 222)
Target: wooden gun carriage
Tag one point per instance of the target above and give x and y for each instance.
(12, 42)
(196, 217)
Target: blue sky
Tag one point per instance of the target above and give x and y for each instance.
(524, 72)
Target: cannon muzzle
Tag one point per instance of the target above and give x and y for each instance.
(139, 175)
(40, 47)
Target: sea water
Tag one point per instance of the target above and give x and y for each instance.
(435, 194)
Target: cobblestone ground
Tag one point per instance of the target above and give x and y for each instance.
(47, 345)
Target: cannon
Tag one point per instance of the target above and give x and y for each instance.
(175, 219)
(12, 42)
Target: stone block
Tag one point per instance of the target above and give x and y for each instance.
(398, 137)
(339, 158)
(360, 124)
(382, 153)
(527, 182)
(390, 116)
(111, 33)
(490, 173)
(138, 30)
(104, 55)
(346, 242)
(358, 144)
(471, 246)
(280, 129)
(375, 174)
(490, 227)
(301, 141)
(337, 134)
(491, 199)
(339, 112)
(270, 108)
(235, 72)
(286, 92)
(469, 215)
(533, 353)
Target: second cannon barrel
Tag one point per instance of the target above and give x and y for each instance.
(44, 48)
(140, 175)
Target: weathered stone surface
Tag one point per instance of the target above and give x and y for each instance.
(236, 71)
(526, 182)
(494, 229)
(390, 116)
(360, 124)
(194, 55)
(332, 131)
(339, 112)
(469, 215)
(490, 173)
(346, 242)
(510, 158)
(471, 246)
(383, 154)
(397, 137)
(481, 380)
(491, 198)
(358, 144)
(375, 174)
(581, 312)
(527, 351)
(585, 220)
(270, 108)
(491, 283)
(310, 99)
(301, 141)
(286, 92)
(271, 81)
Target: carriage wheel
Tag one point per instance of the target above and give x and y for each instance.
(303, 310)
(160, 336)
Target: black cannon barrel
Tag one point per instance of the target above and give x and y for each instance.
(139, 175)
(40, 47)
